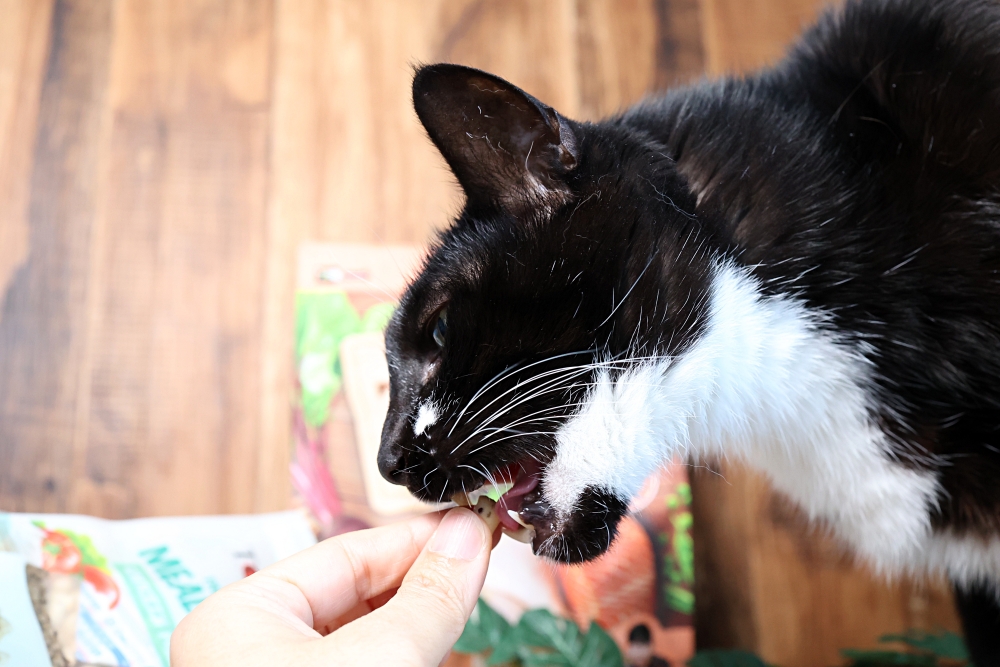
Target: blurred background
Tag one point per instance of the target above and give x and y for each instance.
(160, 164)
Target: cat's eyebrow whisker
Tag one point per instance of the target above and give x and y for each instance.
(352, 274)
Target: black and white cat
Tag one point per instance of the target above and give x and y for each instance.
(799, 269)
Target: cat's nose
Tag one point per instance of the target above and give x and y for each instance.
(390, 464)
(391, 455)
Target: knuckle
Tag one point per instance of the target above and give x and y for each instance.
(360, 569)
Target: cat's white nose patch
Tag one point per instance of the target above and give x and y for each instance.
(427, 416)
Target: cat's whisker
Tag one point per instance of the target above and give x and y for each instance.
(392, 297)
(564, 371)
(549, 387)
(520, 401)
(528, 419)
(426, 483)
(484, 472)
(641, 274)
(515, 402)
(516, 435)
(559, 371)
(506, 371)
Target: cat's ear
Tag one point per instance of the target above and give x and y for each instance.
(505, 147)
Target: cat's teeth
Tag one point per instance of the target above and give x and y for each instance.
(517, 517)
(472, 497)
(524, 534)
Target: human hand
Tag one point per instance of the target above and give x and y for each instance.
(398, 595)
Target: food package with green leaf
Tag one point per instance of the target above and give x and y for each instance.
(345, 296)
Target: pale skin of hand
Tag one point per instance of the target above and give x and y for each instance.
(397, 595)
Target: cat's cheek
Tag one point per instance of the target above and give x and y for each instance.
(429, 370)
(427, 416)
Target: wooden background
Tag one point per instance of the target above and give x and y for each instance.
(161, 161)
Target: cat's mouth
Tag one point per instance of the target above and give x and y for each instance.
(509, 490)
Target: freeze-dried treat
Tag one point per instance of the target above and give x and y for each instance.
(486, 502)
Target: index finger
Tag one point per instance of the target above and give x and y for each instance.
(330, 578)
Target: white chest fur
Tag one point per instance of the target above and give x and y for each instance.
(764, 385)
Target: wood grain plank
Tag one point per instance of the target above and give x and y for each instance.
(24, 40)
(42, 325)
(723, 532)
(352, 162)
(740, 35)
(174, 402)
(680, 53)
(769, 582)
(532, 44)
(627, 50)
(618, 47)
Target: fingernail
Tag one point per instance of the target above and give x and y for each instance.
(458, 536)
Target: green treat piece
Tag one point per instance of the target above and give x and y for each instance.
(495, 491)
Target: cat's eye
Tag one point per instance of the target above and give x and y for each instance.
(440, 328)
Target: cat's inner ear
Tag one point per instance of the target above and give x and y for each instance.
(505, 147)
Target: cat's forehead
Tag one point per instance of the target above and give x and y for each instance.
(476, 255)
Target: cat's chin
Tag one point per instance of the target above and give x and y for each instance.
(584, 534)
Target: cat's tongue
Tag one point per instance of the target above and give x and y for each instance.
(526, 475)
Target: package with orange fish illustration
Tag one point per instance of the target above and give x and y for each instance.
(115, 590)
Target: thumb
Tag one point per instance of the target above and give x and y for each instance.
(421, 623)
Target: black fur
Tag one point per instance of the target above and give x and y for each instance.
(861, 175)
(871, 189)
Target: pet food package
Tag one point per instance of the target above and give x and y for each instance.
(345, 296)
(22, 642)
(112, 592)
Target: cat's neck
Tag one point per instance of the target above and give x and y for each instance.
(765, 383)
